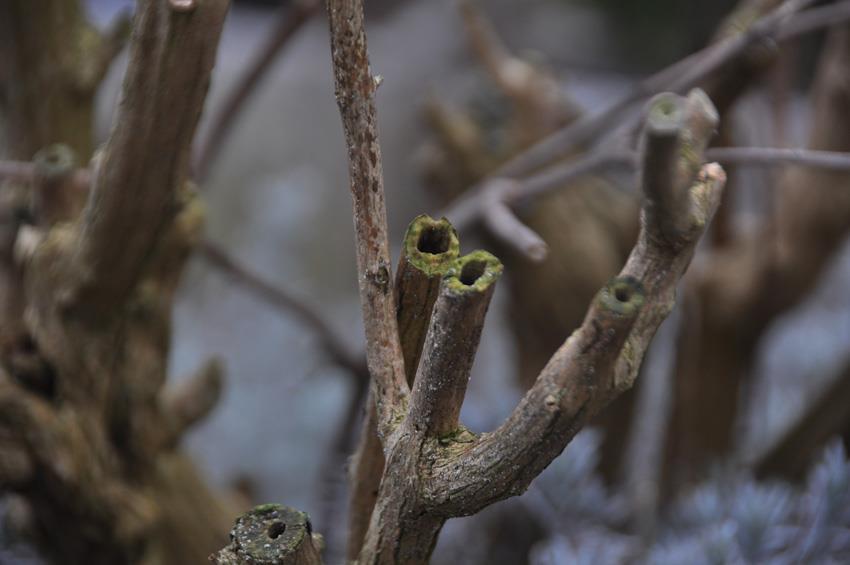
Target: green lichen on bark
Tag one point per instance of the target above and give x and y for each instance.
(270, 534)
(474, 272)
(429, 244)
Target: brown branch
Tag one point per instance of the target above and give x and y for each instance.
(784, 24)
(355, 87)
(514, 233)
(50, 55)
(271, 534)
(290, 21)
(504, 225)
(598, 362)
(674, 127)
(191, 400)
(339, 352)
(775, 156)
(429, 249)
(430, 479)
(451, 344)
(144, 163)
(813, 218)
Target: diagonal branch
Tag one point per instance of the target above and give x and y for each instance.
(783, 24)
(355, 94)
(599, 361)
(291, 20)
(339, 352)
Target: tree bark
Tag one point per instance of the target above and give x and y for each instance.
(271, 534)
(84, 370)
(429, 249)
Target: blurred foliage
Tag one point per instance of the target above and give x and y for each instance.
(729, 519)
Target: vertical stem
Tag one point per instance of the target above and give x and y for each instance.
(355, 87)
(429, 249)
(452, 342)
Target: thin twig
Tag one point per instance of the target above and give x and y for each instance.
(339, 352)
(289, 23)
(776, 156)
(503, 223)
(560, 176)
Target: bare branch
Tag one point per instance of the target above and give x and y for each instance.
(598, 361)
(675, 136)
(355, 94)
(780, 25)
(451, 344)
(145, 160)
(429, 249)
(776, 156)
(291, 20)
(503, 224)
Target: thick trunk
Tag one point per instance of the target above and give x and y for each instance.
(83, 393)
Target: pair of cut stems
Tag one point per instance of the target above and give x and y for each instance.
(441, 299)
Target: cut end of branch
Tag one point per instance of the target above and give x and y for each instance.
(622, 296)
(431, 245)
(665, 115)
(474, 272)
(270, 534)
(55, 161)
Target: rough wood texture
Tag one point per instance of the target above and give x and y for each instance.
(431, 477)
(402, 530)
(271, 534)
(428, 251)
(355, 87)
(84, 410)
(451, 344)
(133, 196)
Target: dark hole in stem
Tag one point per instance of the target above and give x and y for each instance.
(622, 294)
(434, 240)
(471, 271)
(276, 530)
